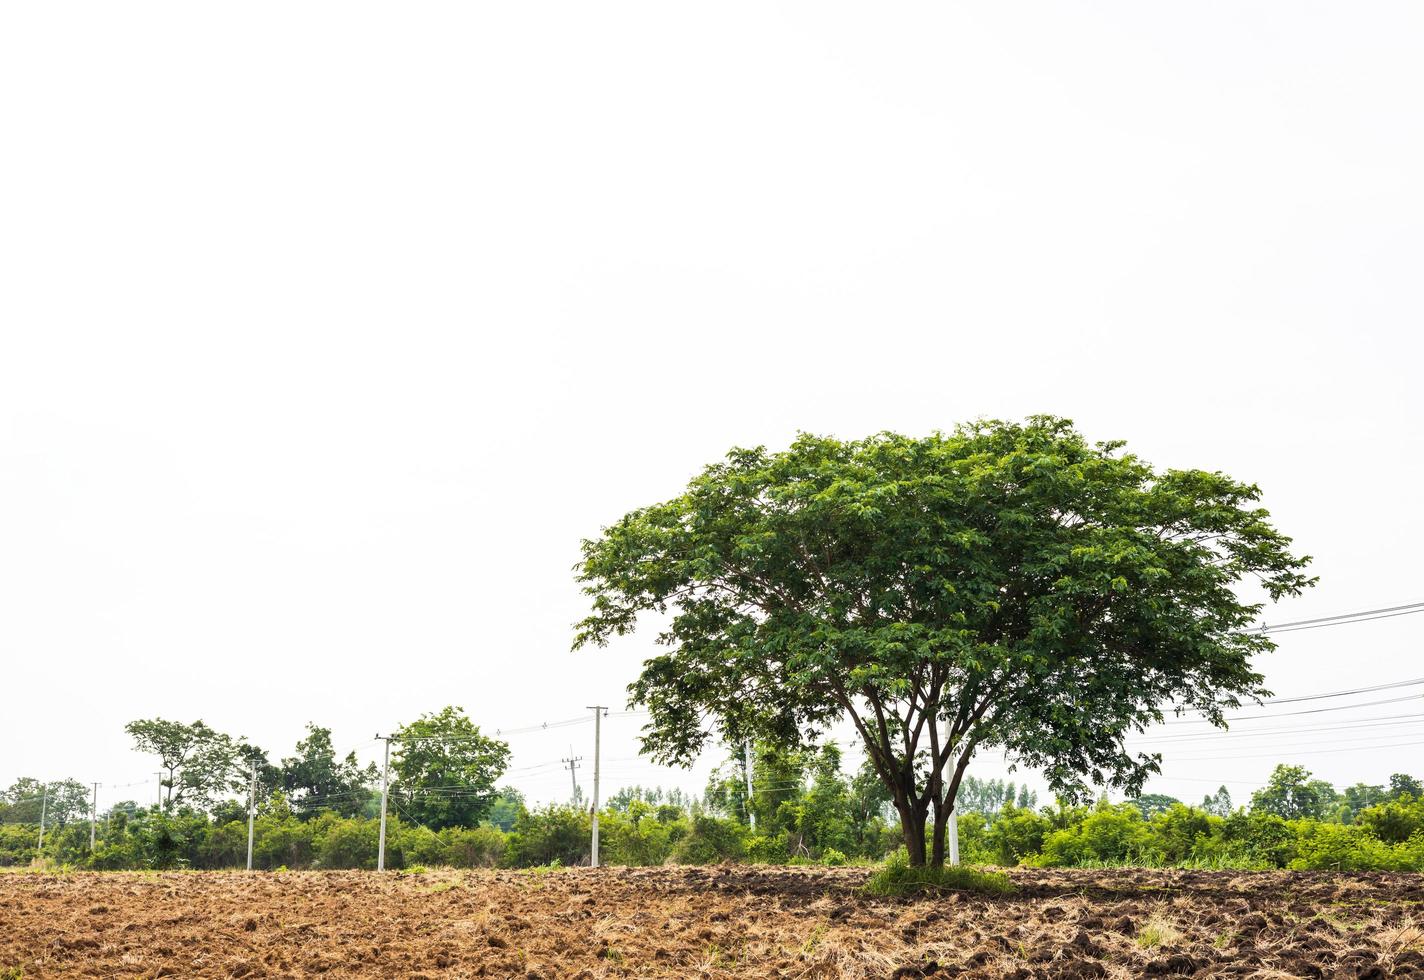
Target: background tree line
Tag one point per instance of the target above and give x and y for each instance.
(318, 809)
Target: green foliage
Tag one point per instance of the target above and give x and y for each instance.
(1109, 835)
(711, 840)
(1292, 794)
(1218, 804)
(446, 770)
(1017, 835)
(1333, 847)
(315, 780)
(506, 808)
(202, 765)
(1396, 821)
(552, 833)
(1151, 804)
(1038, 592)
(898, 876)
(989, 796)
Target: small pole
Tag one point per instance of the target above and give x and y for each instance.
(160, 791)
(598, 712)
(93, 817)
(44, 805)
(251, 813)
(747, 768)
(573, 763)
(385, 789)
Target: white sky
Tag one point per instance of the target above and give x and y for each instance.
(328, 330)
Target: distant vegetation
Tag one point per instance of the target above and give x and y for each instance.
(320, 811)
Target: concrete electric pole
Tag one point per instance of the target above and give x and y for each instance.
(44, 805)
(598, 712)
(385, 790)
(573, 763)
(747, 769)
(251, 813)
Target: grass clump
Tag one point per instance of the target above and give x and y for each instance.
(1158, 932)
(899, 877)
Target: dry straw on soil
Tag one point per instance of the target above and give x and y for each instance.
(706, 922)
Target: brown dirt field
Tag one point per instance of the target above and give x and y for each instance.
(705, 922)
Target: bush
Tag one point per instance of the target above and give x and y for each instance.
(711, 840)
(1108, 835)
(549, 835)
(1017, 835)
(898, 877)
(17, 843)
(348, 844)
(1333, 847)
(767, 850)
(224, 846)
(637, 838)
(473, 847)
(1393, 822)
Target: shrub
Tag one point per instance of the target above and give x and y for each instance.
(1108, 835)
(548, 835)
(348, 844)
(767, 850)
(1017, 834)
(1332, 847)
(712, 839)
(1393, 822)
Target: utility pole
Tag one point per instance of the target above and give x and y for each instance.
(747, 768)
(160, 791)
(598, 712)
(573, 763)
(251, 813)
(93, 817)
(953, 827)
(44, 804)
(385, 790)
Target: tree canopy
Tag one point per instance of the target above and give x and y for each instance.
(445, 769)
(1005, 584)
(315, 779)
(201, 765)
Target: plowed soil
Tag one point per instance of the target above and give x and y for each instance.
(705, 922)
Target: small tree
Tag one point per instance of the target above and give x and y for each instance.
(202, 765)
(1218, 804)
(1002, 585)
(1290, 793)
(316, 780)
(446, 770)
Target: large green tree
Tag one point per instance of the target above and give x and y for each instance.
(1003, 585)
(445, 769)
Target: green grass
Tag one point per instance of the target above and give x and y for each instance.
(899, 877)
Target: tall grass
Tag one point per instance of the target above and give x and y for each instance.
(899, 877)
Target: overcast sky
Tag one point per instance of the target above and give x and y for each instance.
(328, 330)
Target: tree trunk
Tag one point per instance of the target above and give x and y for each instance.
(943, 815)
(912, 827)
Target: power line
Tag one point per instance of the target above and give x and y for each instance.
(1308, 711)
(1383, 721)
(1364, 615)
